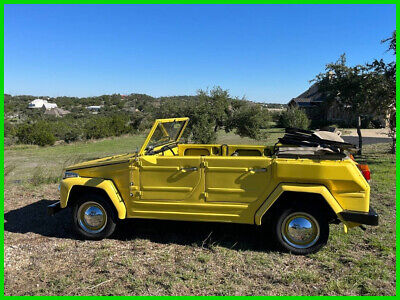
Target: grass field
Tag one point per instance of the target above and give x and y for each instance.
(25, 163)
(148, 257)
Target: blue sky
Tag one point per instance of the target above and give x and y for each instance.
(267, 53)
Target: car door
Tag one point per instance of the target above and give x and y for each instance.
(169, 178)
(236, 179)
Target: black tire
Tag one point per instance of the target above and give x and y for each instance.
(104, 221)
(313, 236)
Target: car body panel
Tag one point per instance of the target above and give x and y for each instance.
(299, 188)
(99, 183)
(109, 160)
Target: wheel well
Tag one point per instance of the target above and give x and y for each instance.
(288, 199)
(78, 190)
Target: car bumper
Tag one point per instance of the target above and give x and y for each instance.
(53, 208)
(369, 218)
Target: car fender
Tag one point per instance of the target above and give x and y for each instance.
(100, 183)
(300, 188)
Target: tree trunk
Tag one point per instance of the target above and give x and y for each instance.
(359, 135)
(216, 128)
(393, 145)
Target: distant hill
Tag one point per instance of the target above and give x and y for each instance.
(18, 104)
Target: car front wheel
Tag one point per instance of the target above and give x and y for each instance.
(301, 230)
(93, 217)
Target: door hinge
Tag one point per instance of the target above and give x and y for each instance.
(204, 164)
(136, 194)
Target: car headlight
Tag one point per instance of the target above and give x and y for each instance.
(70, 175)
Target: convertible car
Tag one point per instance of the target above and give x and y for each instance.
(294, 189)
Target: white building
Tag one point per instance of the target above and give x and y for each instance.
(94, 107)
(49, 105)
(39, 103)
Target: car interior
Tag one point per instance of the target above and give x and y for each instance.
(211, 150)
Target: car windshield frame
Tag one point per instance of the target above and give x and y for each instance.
(161, 126)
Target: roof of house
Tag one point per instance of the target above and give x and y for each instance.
(303, 104)
(38, 101)
(302, 100)
(309, 97)
(48, 105)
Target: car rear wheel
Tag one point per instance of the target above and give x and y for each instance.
(93, 217)
(301, 230)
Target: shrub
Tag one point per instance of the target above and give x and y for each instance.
(42, 176)
(275, 116)
(72, 135)
(44, 138)
(97, 128)
(39, 133)
(9, 129)
(118, 125)
(60, 128)
(141, 123)
(100, 127)
(294, 117)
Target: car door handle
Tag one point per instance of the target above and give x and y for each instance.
(190, 169)
(253, 171)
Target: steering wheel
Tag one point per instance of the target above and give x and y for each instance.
(170, 149)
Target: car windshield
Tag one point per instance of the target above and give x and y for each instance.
(165, 133)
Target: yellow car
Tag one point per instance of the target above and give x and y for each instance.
(294, 195)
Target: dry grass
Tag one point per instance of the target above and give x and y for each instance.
(147, 257)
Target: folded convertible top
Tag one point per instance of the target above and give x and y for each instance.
(306, 143)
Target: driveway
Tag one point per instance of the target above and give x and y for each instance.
(370, 136)
(367, 140)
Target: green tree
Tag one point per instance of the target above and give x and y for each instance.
(218, 100)
(211, 111)
(247, 121)
(170, 108)
(352, 88)
(385, 91)
(202, 123)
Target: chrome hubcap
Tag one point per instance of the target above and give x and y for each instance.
(300, 230)
(92, 217)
